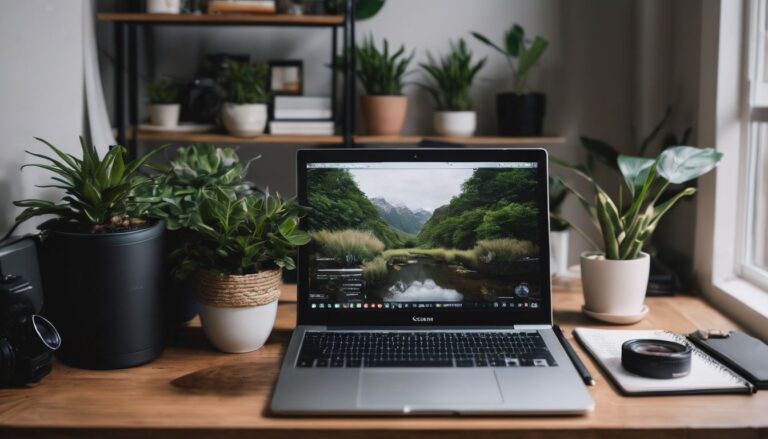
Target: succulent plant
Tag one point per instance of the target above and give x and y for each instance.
(453, 76)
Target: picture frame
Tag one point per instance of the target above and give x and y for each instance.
(286, 77)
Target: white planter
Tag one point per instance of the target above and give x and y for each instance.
(455, 123)
(244, 120)
(558, 255)
(164, 115)
(238, 330)
(164, 6)
(614, 288)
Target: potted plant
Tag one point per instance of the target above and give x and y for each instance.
(453, 77)
(385, 106)
(519, 113)
(173, 196)
(164, 104)
(244, 112)
(235, 255)
(164, 6)
(615, 280)
(101, 259)
(559, 233)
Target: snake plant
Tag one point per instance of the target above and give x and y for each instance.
(453, 76)
(380, 72)
(521, 54)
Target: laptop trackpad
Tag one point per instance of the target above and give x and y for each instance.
(414, 388)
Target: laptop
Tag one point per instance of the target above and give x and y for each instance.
(426, 287)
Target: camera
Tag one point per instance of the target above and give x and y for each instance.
(27, 340)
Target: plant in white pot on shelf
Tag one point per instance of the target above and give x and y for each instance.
(164, 104)
(615, 280)
(235, 255)
(559, 232)
(244, 112)
(164, 6)
(453, 76)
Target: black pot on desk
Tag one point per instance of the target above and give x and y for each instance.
(104, 293)
(520, 114)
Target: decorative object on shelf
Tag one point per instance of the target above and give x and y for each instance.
(101, 259)
(164, 107)
(242, 7)
(453, 77)
(302, 127)
(286, 77)
(381, 75)
(302, 108)
(164, 6)
(235, 254)
(559, 234)
(519, 113)
(615, 280)
(244, 112)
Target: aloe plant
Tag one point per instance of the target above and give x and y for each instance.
(521, 54)
(163, 91)
(241, 236)
(380, 73)
(99, 191)
(453, 76)
(624, 230)
(244, 83)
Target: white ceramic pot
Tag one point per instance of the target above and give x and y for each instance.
(244, 120)
(614, 287)
(238, 330)
(558, 255)
(455, 123)
(164, 115)
(164, 6)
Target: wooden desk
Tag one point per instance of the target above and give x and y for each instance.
(194, 391)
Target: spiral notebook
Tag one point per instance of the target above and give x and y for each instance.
(707, 374)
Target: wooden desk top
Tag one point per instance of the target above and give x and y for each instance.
(193, 390)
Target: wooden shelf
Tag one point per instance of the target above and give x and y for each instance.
(474, 140)
(224, 19)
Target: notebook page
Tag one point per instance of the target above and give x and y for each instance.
(706, 374)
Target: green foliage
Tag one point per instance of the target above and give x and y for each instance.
(375, 270)
(242, 236)
(350, 246)
(97, 189)
(163, 91)
(498, 256)
(381, 73)
(625, 229)
(244, 83)
(514, 219)
(453, 77)
(557, 195)
(522, 54)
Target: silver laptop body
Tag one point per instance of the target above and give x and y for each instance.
(448, 308)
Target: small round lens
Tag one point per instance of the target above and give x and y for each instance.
(47, 332)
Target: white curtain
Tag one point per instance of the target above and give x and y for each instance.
(98, 124)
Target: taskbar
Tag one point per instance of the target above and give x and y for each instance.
(375, 306)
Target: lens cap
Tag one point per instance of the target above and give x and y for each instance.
(661, 359)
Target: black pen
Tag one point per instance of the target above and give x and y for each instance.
(585, 375)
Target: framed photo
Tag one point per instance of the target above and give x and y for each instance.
(286, 77)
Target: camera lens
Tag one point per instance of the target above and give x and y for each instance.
(656, 358)
(47, 332)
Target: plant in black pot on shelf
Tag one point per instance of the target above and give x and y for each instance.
(101, 259)
(453, 75)
(244, 111)
(174, 196)
(519, 113)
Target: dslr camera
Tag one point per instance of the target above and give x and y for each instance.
(27, 340)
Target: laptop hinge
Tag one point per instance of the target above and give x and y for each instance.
(533, 326)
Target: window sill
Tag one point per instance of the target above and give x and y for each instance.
(744, 302)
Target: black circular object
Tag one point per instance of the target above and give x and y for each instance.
(656, 358)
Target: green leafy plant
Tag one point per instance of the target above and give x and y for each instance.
(453, 76)
(522, 54)
(625, 229)
(244, 83)
(163, 91)
(242, 236)
(99, 191)
(381, 73)
(557, 195)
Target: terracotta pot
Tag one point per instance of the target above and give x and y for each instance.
(384, 115)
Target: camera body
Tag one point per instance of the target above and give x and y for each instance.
(27, 340)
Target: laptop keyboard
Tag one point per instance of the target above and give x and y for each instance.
(423, 349)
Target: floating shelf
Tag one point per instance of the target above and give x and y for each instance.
(224, 19)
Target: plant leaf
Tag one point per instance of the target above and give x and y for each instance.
(680, 164)
(634, 170)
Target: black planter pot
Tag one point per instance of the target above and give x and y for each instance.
(520, 115)
(104, 294)
(179, 302)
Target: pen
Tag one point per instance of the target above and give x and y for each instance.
(585, 375)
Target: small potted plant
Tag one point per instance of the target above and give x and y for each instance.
(381, 74)
(173, 197)
(559, 232)
(453, 77)
(164, 6)
(615, 280)
(164, 104)
(519, 113)
(101, 259)
(244, 112)
(235, 256)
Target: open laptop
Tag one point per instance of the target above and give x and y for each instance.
(426, 287)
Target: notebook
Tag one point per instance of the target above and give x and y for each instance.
(707, 375)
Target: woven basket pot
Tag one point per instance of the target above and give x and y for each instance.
(237, 312)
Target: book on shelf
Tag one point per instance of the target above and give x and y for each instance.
(242, 7)
(302, 108)
(302, 127)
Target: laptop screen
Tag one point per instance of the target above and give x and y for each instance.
(425, 236)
